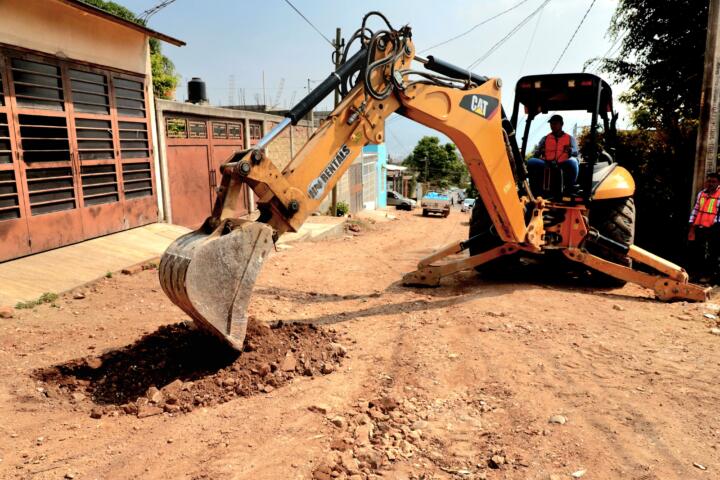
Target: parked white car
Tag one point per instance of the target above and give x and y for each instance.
(467, 205)
(400, 202)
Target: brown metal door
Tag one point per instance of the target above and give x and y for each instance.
(47, 167)
(14, 235)
(96, 151)
(356, 187)
(227, 139)
(189, 184)
(138, 181)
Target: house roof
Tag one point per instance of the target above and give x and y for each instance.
(127, 23)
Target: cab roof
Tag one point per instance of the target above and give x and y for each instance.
(563, 91)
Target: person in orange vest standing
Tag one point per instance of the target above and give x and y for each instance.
(704, 233)
(556, 146)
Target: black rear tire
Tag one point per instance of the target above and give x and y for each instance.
(480, 223)
(614, 219)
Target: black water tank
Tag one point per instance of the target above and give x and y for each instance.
(196, 91)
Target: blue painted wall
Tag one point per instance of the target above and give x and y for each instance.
(380, 172)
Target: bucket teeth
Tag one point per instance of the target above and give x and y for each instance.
(210, 276)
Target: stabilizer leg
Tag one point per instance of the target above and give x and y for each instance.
(428, 275)
(672, 285)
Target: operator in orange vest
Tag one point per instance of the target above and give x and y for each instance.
(556, 146)
(704, 234)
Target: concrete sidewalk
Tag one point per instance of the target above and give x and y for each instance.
(314, 229)
(66, 268)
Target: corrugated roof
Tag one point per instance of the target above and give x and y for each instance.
(127, 23)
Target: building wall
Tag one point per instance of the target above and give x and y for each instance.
(280, 151)
(52, 27)
(287, 144)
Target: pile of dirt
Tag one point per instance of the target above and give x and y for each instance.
(178, 368)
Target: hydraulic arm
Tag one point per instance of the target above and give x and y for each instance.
(210, 273)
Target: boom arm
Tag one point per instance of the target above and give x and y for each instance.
(471, 118)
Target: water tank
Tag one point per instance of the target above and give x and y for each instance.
(196, 91)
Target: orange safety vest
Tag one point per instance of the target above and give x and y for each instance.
(557, 148)
(707, 209)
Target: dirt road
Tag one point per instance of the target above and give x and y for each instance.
(456, 382)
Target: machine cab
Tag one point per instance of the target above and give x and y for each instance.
(557, 93)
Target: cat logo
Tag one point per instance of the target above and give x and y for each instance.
(483, 105)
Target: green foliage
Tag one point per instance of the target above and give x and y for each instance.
(47, 297)
(115, 9)
(661, 194)
(661, 54)
(436, 164)
(108, 275)
(471, 191)
(662, 46)
(164, 77)
(342, 208)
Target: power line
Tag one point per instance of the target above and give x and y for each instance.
(532, 40)
(507, 37)
(573, 35)
(310, 23)
(145, 16)
(476, 26)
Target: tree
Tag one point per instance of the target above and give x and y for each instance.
(661, 53)
(164, 77)
(436, 164)
(662, 46)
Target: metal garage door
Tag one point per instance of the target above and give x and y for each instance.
(196, 147)
(75, 153)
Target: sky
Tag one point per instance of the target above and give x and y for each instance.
(235, 43)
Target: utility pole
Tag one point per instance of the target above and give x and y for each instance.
(264, 97)
(706, 149)
(338, 51)
(312, 116)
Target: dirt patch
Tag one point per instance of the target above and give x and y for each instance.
(178, 368)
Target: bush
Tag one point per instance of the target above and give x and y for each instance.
(342, 209)
(663, 181)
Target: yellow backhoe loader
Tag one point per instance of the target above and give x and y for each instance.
(210, 272)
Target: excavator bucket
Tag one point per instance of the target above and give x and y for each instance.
(210, 273)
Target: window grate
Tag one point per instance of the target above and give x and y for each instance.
(37, 85)
(89, 92)
(137, 180)
(44, 138)
(94, 139)
(9, 201)
(176, 128)
(99, 184)
(235, 131)
(134, 140)
(5, 147)
(129, 97)
(50, 190)
(220, 130)
(255, 132)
